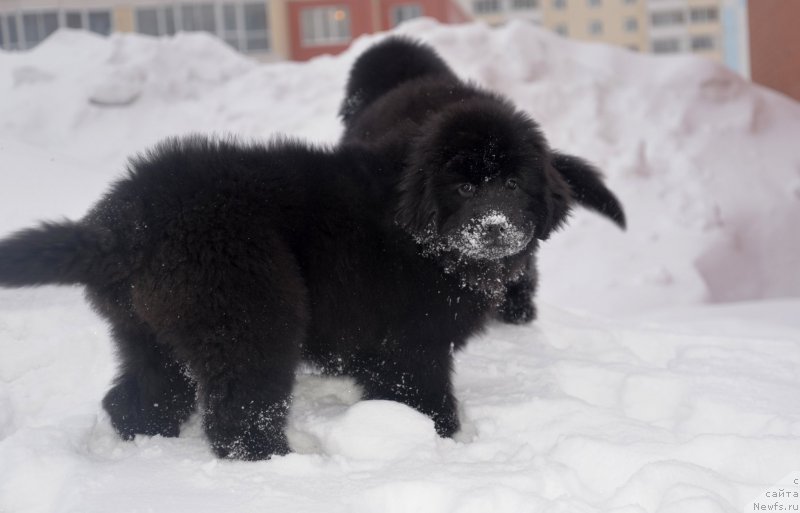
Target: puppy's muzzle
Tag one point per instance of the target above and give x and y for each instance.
(492, 236)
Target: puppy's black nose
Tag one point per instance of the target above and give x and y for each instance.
(495, 231)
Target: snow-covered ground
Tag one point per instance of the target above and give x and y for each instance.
(662, 375)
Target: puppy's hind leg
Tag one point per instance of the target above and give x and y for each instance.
(152, 395)
(247, 398)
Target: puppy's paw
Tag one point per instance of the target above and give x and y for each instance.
(446, 424)
(517, 310)
(253, 432)
(250, 448)
(134, 413)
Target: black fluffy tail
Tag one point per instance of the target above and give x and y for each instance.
(385, 66)
(54, 253)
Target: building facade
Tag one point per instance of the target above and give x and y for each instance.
(301, 29)
(711, 28)
(273, 29)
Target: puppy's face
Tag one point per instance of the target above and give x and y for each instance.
(480, 182)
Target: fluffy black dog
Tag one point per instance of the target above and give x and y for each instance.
(220, 266)
(397, 93)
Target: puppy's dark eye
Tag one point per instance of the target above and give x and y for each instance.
(511, 183)
(466, 189)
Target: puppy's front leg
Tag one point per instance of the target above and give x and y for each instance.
(419, 378)
(517, 305)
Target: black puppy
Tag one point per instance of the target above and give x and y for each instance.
(221, 266)
(399, 88)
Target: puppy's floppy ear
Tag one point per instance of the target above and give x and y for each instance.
(557, 200)
(416, 208)
(587, 186)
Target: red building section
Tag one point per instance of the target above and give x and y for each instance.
(775, 44)
(318, 27)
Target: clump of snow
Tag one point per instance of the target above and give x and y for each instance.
(377, 430)
(684, 407)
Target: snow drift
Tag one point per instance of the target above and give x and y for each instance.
(694, 409)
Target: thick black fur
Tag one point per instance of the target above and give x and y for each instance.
(399, 88)
(220, 266)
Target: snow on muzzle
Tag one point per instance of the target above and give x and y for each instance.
(490, 236)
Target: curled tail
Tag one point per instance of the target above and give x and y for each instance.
(385, 66)
(66, 253)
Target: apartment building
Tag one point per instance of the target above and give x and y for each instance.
(265, 29)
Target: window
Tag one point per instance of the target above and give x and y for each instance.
(670, 45)
(31, 28)
(9, 39)
(168, 21)
(245, 27)
(594, 3)
(256, 36)
(14, 39)
(320, 26)
(48, 23)
(562, 30)
(560, 4)
(596, 27)
(525, 4)
(100, 22)
(155, 21)
(630, 2)
(73, 19)
(230, 26)
(664, 18)
(486, 6)
(36, 26)
(702, 43)
(631, 25)
(703, 14)
(404, 12)
(197, 17)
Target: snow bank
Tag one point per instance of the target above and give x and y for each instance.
(683, 408)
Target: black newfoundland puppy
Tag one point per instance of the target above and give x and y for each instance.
(220, 266)
(397, 95)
